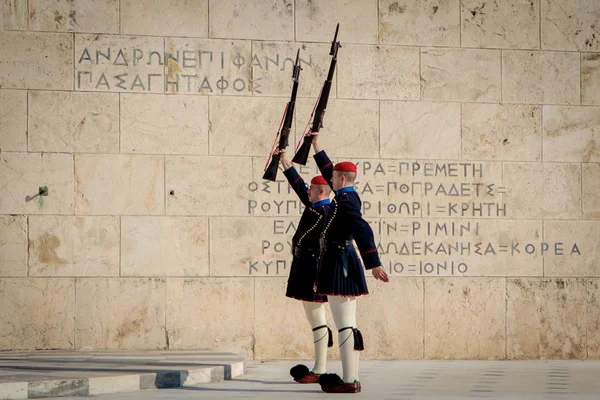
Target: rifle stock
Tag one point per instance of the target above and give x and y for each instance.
(302, 153)
(271, 171)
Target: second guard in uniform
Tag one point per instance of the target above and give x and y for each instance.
(303, 272)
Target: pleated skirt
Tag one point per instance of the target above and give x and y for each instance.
(303, 275)
(341, 277)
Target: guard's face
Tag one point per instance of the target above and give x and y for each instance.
(338, 180)
(313, 193)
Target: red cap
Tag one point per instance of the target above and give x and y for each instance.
(318, 180)
(345, 166)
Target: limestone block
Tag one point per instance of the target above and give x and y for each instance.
(208, 66)
(117, 313)
(207, 185)
(38, 314)
(540, 77)
(350, 127)
(36, 61)
(378, 72)
(74, 122)
(510, 24)
(73, 246)
(163, 246)
(22, 175)
(464, 318)
(420, 130)
(164, 18)
(13, 120)
(551, 191)
(430, 22)
(113, 384)
(119, 184)
(593, 318)
(391, 319)
(109, 63)
(272, 66)
(211, 313)
(400, 244)
(461, 75)
(570, 25)
(591, 191)
(262, 19)
(501, 132)
(161, 124)
(99, 16)
(14, 15)
(504, 248)
(58, 387)
(573, 248)
(13, 245)
(316, 20)
(13, 390)
(544, 318)
(572, 134)
(251, 246)
(590, 79)
(244, 126)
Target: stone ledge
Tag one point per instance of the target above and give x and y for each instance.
(80, 373)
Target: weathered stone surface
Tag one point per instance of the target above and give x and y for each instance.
(573, 248)
(208, 66)
(13, 390)
(350, 127)
(461, 75)
(251, 246)
(590, 79)
(22, 175)
(420, 130)
(120, 313)
(74, 122)
(36, 61)
(272, 66)
(57, 388)
(501, 132)
(591, 190)
(38, 314)
(107, 63)
(73, 246)
(13, 245)
(13, 120)
(419, 23)
(99, 16)
(119, 184)
(13, 15)
(544, 318)
(244, 126)
(315, 20)
(512, 24)
(550, 190)
(526, 77)
(593, 318)
(392, 329)
(113, 384)
(211, 313)
(262, 20)
(570, 25)
(464, 318)
(572, 134)
(208, 185)
(164, 124)
(164, 246)
(164, 18)
(378, 72)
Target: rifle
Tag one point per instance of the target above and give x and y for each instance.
(284, 129)
(302, 153)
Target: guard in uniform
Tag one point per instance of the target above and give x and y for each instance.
(341, 276)
(303, 273)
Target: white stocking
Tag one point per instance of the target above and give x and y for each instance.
(315, 313)
(344, 315)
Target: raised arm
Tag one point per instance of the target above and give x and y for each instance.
(323, 162)
(295, 180)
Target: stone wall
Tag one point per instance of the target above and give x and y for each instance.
(475, 126)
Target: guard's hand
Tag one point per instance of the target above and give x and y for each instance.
(380, 274)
